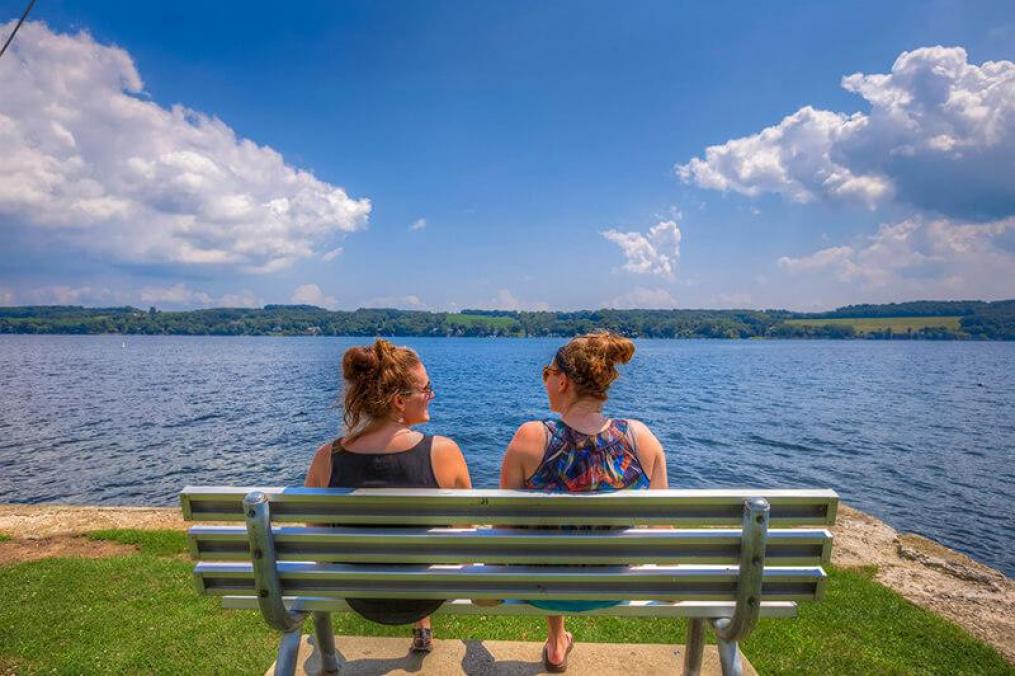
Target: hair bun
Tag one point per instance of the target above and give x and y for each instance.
(593, 360)
(359, 363)
(618, 349)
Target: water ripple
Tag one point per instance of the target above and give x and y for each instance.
(901, 430)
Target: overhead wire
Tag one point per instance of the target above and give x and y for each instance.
(14, 32)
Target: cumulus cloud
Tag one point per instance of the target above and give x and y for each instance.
(734, 299)
(642, 298)
(940, 136)
(653, 253)
(177, 294)
(245, 299)
(91, 159)
(181, 295)
(66, 294)
(923, 257)
(506, 300)
(331, 255)
(409, 302)
(311, 294)
(418, 224)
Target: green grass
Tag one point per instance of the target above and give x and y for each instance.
(896, 324)
(4, 537)
(157, 542)
(140, 613)
(502, 323)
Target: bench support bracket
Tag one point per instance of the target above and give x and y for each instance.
(729, 658)
(730, 631)
(266, 582)
(694, 646)
(325, 634)
(288, 653)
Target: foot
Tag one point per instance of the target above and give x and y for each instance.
(555, 654)
(422, 640)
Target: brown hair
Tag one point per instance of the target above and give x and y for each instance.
(590, 361)
(373, 375)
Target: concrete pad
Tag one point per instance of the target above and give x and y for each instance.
(362, 655)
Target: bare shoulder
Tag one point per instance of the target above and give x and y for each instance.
(322, 453)
(319, 471)
(640, 429)
(647, 442)
(446, 447)
(528, 443)
(448, 463)
(533, 430)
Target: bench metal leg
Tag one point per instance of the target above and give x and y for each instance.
(729, 658)
(326, 643)
(288, 652)
(694, 647)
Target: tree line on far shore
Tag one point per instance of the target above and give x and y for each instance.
(979, 320)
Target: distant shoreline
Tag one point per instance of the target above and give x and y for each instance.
(917, 320)
(395, 336)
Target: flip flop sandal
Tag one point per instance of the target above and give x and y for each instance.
(559, 667)
(422, 640)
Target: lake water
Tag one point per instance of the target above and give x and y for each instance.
(921, 434)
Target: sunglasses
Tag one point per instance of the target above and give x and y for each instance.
(426, 391)
(557, 365)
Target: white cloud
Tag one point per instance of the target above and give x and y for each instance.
(177, 294)
(734, 299)
(331, 255)
(90, 159)
(311, 294)
(654, 253)
(506, 300)
(418, 224)
(644, 299)
(6, 297)
(940, 135)
(244, 299)
(62, 294)
(181, 295)
(409, 302)
(925, 258)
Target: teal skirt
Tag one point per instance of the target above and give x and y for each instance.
(572, 606)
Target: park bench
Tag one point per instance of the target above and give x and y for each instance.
(725, 557)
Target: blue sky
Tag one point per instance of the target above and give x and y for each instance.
(514, 155)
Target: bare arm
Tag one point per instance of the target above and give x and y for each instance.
(319, 473)
(449, 464)
(523, 455)
(650, 455)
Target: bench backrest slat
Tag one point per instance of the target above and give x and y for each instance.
(703, 583)
(708, 609)
(459, 545)
(428, 507)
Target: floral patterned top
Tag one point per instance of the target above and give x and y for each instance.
(575, 462)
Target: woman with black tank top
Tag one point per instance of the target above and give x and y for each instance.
(581, 450)
(387, 391)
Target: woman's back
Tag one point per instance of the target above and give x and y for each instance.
(411, 468)
(387, 391)
(578, 462)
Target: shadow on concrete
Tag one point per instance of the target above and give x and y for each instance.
(409, 663)
(478, 660)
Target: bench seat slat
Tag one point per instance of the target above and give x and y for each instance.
(710, 609)
(706, 583)
(789, 507)
(458, 545)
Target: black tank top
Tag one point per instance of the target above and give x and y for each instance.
(403, 469)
